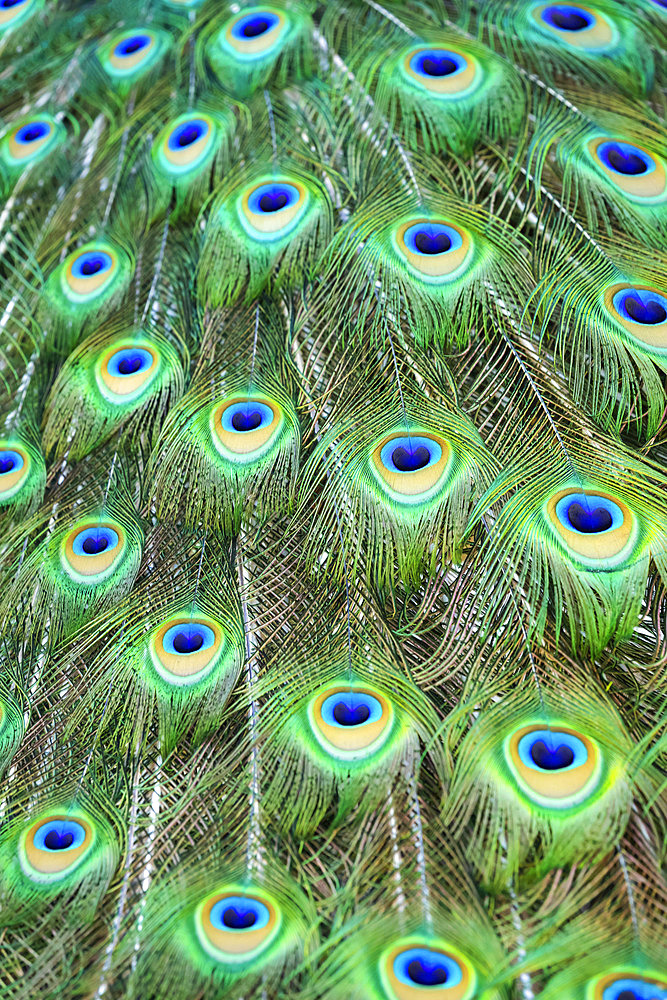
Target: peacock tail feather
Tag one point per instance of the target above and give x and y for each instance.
(333, 500)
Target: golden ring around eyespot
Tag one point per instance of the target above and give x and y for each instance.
(93, 565)
(597, 987)
(193, 663)
(127, 63)
(453, 83)
(403, 991)
(437, 265)
(125, 385)
(273, 222)
(556, 784)
(11, 480)
(419, 481)
(647, 185)
(51, 862)
(233, 943)
(260, 43)
(601, 546)
(20, 151)
(250, 441)
(88, 286)
(602, 34)
(653, 335)
(351, 738)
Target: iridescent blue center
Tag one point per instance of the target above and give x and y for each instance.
(430, 238)
(426, 967)
(129, 361)
(268, 198)
(239, 913)
(566, 17)
(254, 25)
(91, 541)
(552, 750)
(247, 416)
(8, 4)
(59, 835)
(437, 63)
(639, 305)
(90, 263)
(625, 158)
(410, 454)
(131, 45)
(188, 637)
(588, 514)
(10, 461)
(186, 133)
(351, 708)
(629, 988)
(32, 132)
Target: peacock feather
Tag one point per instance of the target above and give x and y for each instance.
(333, 500)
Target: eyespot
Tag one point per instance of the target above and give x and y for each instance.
(271, 210)
(595, 527)
(556, 767)
(445, 73)
(129, 54)
(255, 33)
(12, 12)
(30, 141)
(91, 552)
(641, 311)
(125, 371)
(576, 25)
(185, 650)
(350, 722)
(235, 926)
(627, 984)
(185, 143)
(411, 469)
(54, 846)
(89, 271)
(633, 170)
(14, 469)
(436, 251)
(244, 429)
(413, 968)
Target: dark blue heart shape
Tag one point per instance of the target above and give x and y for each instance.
(346, 715)
(246, 421)
(258, 25)
(645, 312)
(588, 520)
(567, 20)
(238, 920)
(551, 759)
(426, 974)
(410, 461)
(128, 366)
(438, 65)
(432, 242)
(92, 266)
(94, 544)
(6, 465)
(188, 642)
(627, 995)
(188, 135)
(625, 163)
(58, 841)
(135, 44)
(273, 201)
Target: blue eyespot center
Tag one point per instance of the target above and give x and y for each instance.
(426, 974)
(9, 460)
(92, 541)
(273, 201)
(129, 46)
(410, 460)
(273, 197)
(246, 421)
(439, 66)
(188, 642)
(129, 361)
(641, 305)
(627, 987)
(95, 544)
(239, 913)
(551, 758)
(128, 366)
(432, 242)
(238, 919)
(186, 133)
(588, 514)
(58, 841)
(567, 18)
(589, 520)
(437, 63)
(624, 158)
(90, 263)
(351, 714)
(255, 26)
(7, 4)
(59, 835)
(32, 132)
